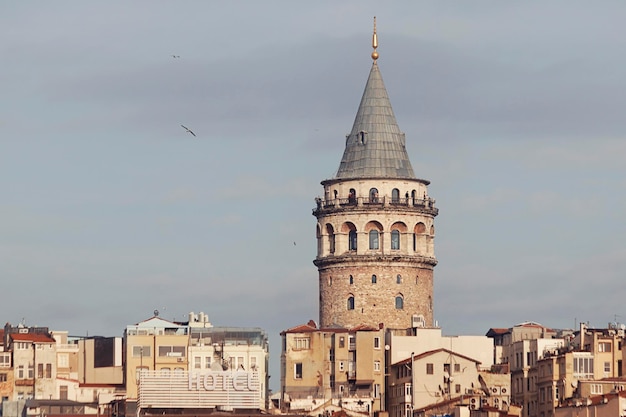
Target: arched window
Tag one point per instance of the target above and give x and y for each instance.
(399, 302)
(330, 281)
(351, 280)
(351, 302)
(330, 231)
(398, 279)
(373, 195)
(352, 240)
(395, 239)
(373, 279)
(413, 195)
(395, 195)
(352, 196)
(373, 239)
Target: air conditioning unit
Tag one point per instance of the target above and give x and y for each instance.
(473, 407)
(503, 390)
(496, 390)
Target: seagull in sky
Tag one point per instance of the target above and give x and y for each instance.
(188, 130)
(175, 56)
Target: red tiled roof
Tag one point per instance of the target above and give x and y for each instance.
(32, 337)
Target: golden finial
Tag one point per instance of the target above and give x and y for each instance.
(374, 42)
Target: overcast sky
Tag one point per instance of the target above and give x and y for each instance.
(109, 209)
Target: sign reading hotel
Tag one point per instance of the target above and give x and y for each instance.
(206, 389)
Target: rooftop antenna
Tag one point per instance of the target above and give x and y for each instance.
(374, 42)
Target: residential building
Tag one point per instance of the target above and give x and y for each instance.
(34, 361)
(332, 369)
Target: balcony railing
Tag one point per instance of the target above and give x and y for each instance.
(427, 203)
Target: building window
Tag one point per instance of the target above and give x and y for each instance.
(607, 367)
(175, 351)
(399, 302)
(351, 302)
(376, 342)
(395, 196)
(430, 369)
(351, 280)
(457, 389)
(604, 347)
(63, 392)
(197, 362)
(303, 343)
(141, 351)
(373, 279)
(342, 342)
(63, 360)
(5, 360)
(457, 367)
(3, 377)
(352, 240)
(20, 372)
(373, 195)
(395, 240)
(583, 367)
(373, 239)
(376, 366)
(297, 370)
(398, 279)
(596, 389)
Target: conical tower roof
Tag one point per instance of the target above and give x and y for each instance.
(375, 148)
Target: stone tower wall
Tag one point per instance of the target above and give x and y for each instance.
(349, 295)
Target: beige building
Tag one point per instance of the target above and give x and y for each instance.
(34, 362)
(551, 368)
(332, 369)
(436, 381)
(606, 405)
(154, 344)
(193, 365)
(375, 225)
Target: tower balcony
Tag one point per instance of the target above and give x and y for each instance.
(421, 205)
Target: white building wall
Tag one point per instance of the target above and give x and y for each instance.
(479, 348)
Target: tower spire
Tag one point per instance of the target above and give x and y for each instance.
(374, 42)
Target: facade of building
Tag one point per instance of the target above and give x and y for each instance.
(375, 225)
(554, 368)
(333, 369)
(193, 365)
(34, 364)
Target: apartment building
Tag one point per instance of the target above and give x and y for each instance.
(193, 365)
(332, 369)
(551, 368)
(438, 380)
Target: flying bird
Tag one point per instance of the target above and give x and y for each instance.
(175, 56)
(188, 130)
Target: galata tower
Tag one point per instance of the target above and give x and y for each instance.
(375, 225)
